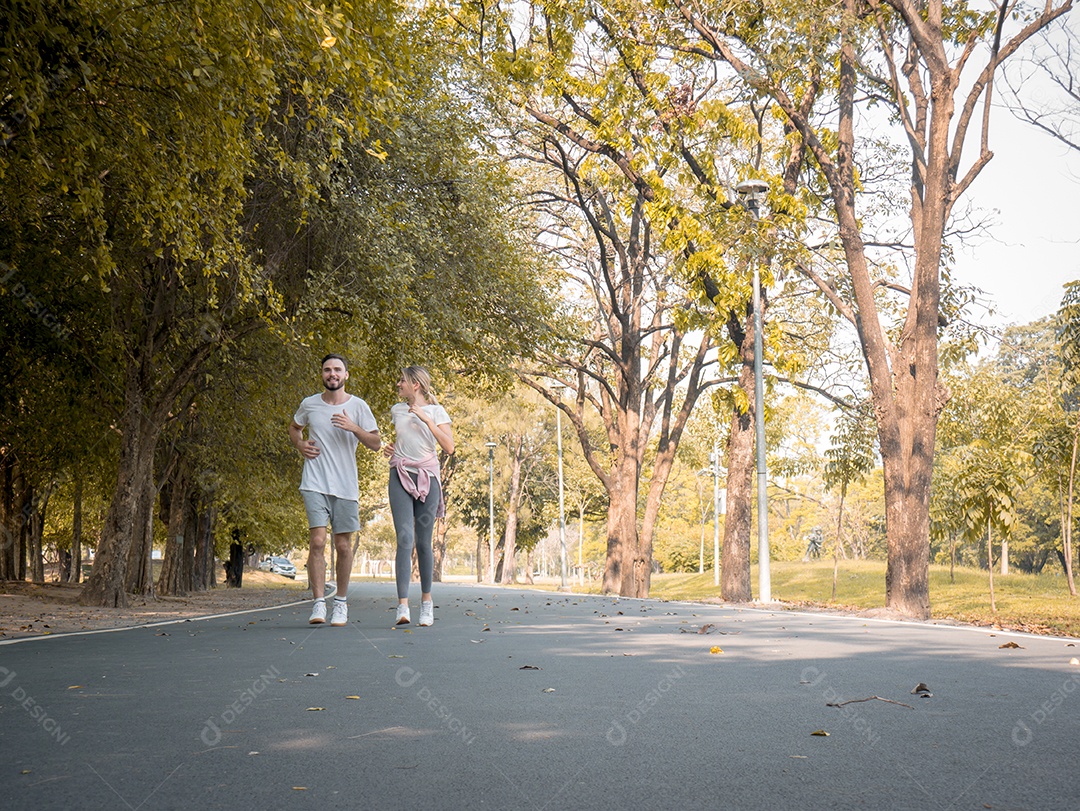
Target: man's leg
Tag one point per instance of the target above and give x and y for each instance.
(343, 567)
(316, 562)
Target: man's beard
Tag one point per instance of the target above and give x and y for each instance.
(333, 386)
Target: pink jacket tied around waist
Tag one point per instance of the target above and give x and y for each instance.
(426, 468)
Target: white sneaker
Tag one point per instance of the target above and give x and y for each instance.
(340, 614)
(318, 613)
(402, 614)
(427, 613)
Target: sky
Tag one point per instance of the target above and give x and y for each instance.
(1031, 192)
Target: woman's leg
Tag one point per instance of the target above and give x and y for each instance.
(425, 528)
(402, 509)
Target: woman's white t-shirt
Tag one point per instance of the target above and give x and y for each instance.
(414, 439)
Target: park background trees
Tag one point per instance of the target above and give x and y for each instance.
(547, 189)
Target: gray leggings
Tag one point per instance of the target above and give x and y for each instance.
(414, 522)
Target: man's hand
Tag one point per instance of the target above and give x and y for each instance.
(343, 422)
(308, 449)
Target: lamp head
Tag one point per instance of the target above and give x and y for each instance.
(752, 189)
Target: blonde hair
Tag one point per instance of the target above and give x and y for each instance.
(418, 375)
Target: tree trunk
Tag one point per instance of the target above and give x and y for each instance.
(907, 526)
(173, 503)
(190, 565)
(509, 567)
(207, 540)
(735, 552)
(76, 530)
(9, 523)
(1067, 516)
(438, 549)
(623, 570)
(234, 566)
(106, 585)
(36, 505)
(990, 565)
(140, 578)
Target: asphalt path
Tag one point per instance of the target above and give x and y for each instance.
(536, 700)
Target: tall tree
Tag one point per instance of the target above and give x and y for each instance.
(913, 58)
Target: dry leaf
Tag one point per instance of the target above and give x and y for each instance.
(79, 686)
(395, 656)
(1074, 661)
(329, 42)
(357, 698)
(821, 733)
(315, 709)
(707, 628)
(311, 674)
(715, 649)
(1010, 645)
(921, 690)
(299, 788)
(548, 690)
(528, 667)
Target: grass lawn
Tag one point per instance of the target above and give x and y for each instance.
(1037, 603)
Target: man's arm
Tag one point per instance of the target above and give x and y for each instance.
(307, 447)
(369, 439)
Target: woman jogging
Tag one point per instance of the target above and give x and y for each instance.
(422, 427)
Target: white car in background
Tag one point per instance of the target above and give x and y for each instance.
(275, 564)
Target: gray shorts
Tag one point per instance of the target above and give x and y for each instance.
(323, 510)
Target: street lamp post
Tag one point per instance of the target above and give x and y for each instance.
(563, 585)
(752, 190)
(491, 509)
(714, 458)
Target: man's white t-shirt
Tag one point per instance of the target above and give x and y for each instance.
(414, 439)
(333, 471)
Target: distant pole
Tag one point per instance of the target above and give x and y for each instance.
(491, 509)
(714, 457)
(752, 190)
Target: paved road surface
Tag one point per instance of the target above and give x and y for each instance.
(529, 700)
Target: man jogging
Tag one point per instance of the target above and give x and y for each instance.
(336, 423)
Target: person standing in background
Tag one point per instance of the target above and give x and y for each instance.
(336, 423)
(421, 426)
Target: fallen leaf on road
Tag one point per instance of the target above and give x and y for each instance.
(299, 788)
(922, 691)
(315, 709)
(1074, 661)
(707, 628)
(79, 686)
(548, 690)
(1010, 645)
(311, 674)
(715, 649)
(821, 733)
(395, 656)
(355, 698)
(528, 667)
